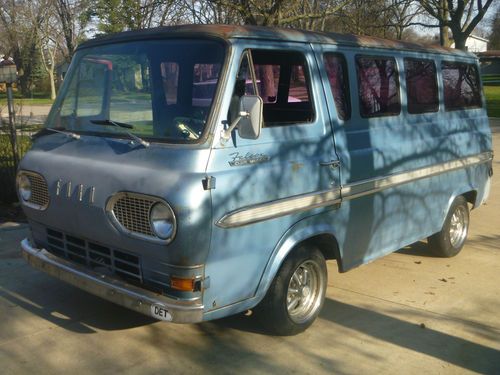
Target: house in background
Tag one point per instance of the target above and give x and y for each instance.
(490, 67)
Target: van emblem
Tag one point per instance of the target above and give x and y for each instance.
(81, 191)
(248, 158)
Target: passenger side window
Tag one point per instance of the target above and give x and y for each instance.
(421, 86)
(170, 78)
(461, 85)
(336, 70)
(378, 86)
(92, 77)
(205, 77)
(283, 83)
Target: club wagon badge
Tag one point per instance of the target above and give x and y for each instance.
(248, 158)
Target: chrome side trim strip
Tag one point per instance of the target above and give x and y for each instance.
(286, 206)
(375, 185)
(280, 207)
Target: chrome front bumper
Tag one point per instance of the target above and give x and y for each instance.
(111, 289)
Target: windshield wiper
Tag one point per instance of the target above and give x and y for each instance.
(114, 123)
(64, 131)
(122, 125)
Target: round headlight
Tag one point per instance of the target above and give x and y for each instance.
(24, 187)
(162, 221)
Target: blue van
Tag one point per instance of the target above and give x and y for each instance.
(194, 172)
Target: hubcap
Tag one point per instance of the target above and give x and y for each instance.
(458, 227)
(305, 291)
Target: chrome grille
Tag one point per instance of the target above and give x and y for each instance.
(132, 212)
(39, 191)
(95, 256)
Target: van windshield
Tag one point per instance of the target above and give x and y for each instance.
(163, 89)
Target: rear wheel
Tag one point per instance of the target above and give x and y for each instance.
(450, 240)
(296, 294)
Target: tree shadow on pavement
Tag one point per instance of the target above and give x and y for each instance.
(246, 322)
(67, 306)
(488, 241)
(80, 312)
(452, 349)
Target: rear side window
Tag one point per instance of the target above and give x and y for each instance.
(421, 86)
(378, 86)
(336, 69)
(461, 85)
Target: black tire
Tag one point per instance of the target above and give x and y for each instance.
(450, 240)
(306, 264)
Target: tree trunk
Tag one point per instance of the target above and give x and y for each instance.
(444, 36)
(268, 90)
(460, 40)
(52, 83)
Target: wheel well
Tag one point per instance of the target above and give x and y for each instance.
(470, 197)
(327, 244)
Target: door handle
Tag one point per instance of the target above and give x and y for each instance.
(331, 163)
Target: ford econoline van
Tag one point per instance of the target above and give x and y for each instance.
(194, 172)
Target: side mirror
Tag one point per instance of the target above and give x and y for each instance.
(249, 126)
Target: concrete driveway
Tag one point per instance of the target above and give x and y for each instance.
(405, 313)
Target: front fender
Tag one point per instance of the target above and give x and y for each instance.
(299, 232)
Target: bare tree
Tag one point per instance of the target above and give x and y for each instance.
(73, 17)
(402, 15)
(19, 30)
(307, 14)
(209, 12)
(459, 16)
(121, 15)
(494, 35)
(361, 17)
(49, 41)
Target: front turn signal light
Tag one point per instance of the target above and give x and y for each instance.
(185, 285)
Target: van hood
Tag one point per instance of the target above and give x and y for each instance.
(101, 167)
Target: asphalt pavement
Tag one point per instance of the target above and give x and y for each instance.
(405, 313)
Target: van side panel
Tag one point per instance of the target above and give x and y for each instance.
(284, 163)
(399, 175)
(374, 150)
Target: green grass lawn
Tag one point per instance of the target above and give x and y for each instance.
(490, 79)
(492, 100)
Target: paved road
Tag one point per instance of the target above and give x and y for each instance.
(405, 313)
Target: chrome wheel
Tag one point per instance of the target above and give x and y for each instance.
(305, 291)
(450, 240)
(296, 295)
(459, 224)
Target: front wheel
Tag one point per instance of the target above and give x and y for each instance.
(450, 240)
(296, 294)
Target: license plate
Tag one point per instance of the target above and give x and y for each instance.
(161, 313)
